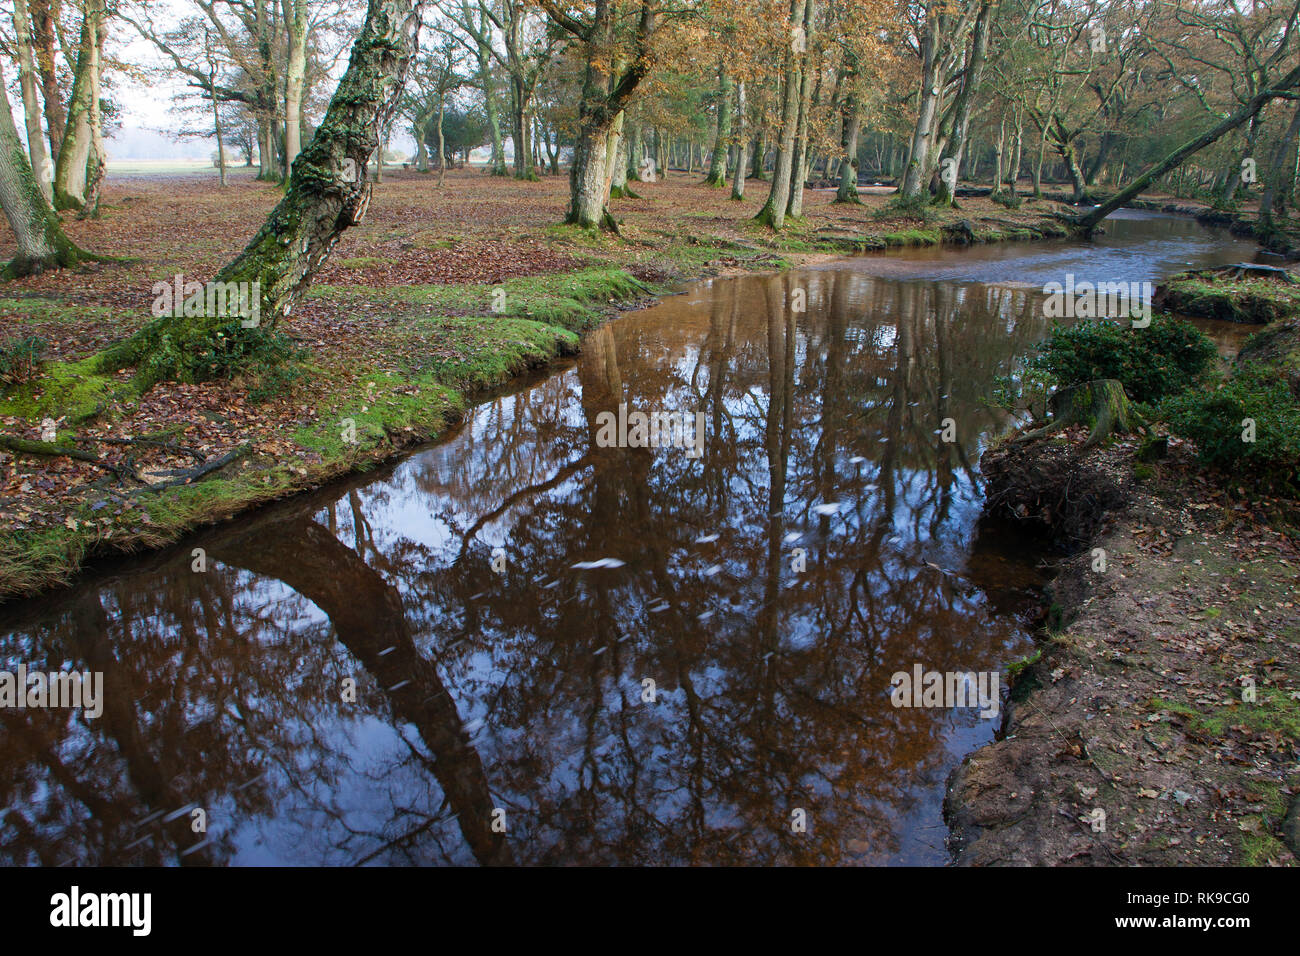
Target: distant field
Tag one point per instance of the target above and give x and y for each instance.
(169, 167)
(172, 168)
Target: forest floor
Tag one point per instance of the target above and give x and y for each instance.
(1159, 721)
(1135, 713)
(441, 293)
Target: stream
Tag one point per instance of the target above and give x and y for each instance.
(525, 644)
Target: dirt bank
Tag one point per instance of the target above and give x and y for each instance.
(1159, 723)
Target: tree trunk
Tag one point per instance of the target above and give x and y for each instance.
(70, 171)
(998, 150)
(635, 153)
(618, 186)
(328, 191)
(717, 176)
(265, 152)
(442, 141)
(758, 167)
(852, 121)
(1038, 167)
(39, 235)
(802, 150)
(216, 125)
(917, 173)
(97, 160)
(955, 142)
(1014, 172)
(27, 76)
(1279, 175)
(43, 35)
(778, 197)
(742, 145)
(295, 17)
(525, 168)
(608, 83)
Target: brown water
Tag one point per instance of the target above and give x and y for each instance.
(519, 695)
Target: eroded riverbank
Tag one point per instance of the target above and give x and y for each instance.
(1158, 722)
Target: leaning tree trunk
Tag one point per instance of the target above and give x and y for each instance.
(41, 242)
(327, 192)
(718, 161)
(1089, 222)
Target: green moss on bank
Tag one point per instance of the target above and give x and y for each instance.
(442, 361)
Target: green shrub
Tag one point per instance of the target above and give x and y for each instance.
(20, 359)
(1008, 199)
(1214, 419)
(1165, 358)
(265, 358)
(907, 207)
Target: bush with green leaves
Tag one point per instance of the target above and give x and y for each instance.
(1218, 420)
(1165, 358)
(20, 359)
(265, 358)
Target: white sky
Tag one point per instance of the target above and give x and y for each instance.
(149, 106)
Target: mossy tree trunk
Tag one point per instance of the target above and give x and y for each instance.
(42, 165)
(717, 176)
(955, 138)
(851, 120)
(41, 242)
(778, 196)
(70, 170)
(609, 80)
(1102, 405)
(328, 191)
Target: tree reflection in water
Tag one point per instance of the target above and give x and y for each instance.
(522, 692)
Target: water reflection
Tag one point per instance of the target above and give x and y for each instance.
(517, 698)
